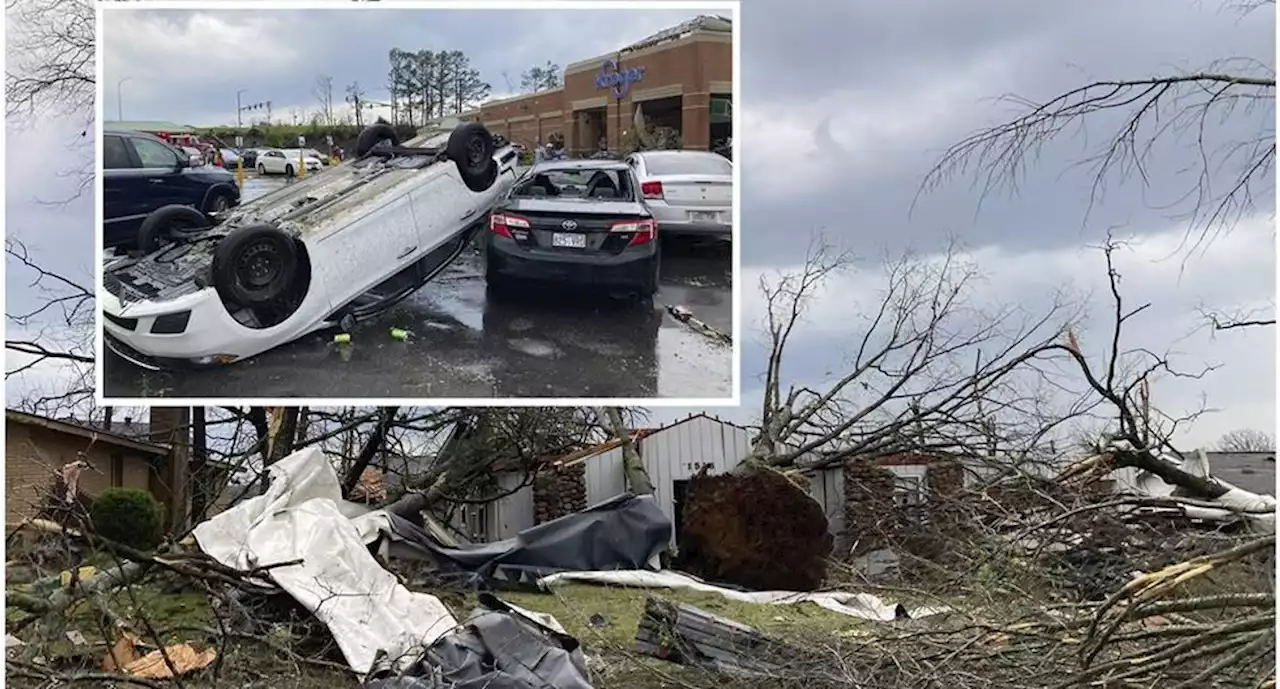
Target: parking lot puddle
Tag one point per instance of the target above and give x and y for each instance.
(538, 348)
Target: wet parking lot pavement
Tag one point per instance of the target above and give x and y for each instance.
(466, 342)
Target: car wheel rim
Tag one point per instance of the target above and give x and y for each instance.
(258, 265)
(475, 152)
(220, 204)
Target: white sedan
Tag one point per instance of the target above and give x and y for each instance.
(329, 250)
(284, 161)
(688, 192)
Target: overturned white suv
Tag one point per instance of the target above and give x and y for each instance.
(325, 251)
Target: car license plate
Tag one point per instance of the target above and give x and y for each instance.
(704, 216)
(569, 241)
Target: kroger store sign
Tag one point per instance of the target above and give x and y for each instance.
(618, 81)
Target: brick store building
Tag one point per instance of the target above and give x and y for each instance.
(680, 78)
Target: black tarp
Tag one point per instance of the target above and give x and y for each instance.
(624, 532)
(497, 648)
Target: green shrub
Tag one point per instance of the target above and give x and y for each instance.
(129, 516)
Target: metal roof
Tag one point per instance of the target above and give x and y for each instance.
(702, 22)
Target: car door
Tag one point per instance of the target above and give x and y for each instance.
(161, 166)
(124, 191)
(270, 162)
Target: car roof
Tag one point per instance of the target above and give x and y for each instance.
(579, 165)
(674, 153)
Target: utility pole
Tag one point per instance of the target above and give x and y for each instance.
(356, 98)
(238, 108)
(120, 98)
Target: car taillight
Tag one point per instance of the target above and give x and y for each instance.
(645, 230)
(651, 190)
(501, 224)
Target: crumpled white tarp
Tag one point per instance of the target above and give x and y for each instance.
(302, 516)
(861, 605)
(1236, 503)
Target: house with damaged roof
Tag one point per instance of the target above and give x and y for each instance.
(675, 453)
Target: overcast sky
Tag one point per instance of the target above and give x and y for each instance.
(277, 55)
(846, 105)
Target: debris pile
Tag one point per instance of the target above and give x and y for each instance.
(332, 571)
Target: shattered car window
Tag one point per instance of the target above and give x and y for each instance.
(577, 184)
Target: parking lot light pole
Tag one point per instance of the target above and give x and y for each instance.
(120, 98)
(238, 111)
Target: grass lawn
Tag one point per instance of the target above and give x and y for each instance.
(608, 642)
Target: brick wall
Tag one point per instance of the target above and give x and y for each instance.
(559, 491)
(689, 67)
(870, 517)
(34, 458)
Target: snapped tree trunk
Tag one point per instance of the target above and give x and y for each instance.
(638, 480)
(370, 449)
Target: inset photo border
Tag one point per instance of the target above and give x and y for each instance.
(337, 203)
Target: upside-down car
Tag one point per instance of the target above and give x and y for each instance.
(325, 251)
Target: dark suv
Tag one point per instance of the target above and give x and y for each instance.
(142, 172)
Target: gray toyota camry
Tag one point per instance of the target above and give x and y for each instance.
(575, 222)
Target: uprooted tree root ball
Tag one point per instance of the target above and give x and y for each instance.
(756, 530)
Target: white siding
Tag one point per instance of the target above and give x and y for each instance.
(827, 487)
(604, 476)
(510, 514)
(679, 452)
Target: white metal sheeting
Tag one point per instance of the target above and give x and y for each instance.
(861, 605)
(302, 517)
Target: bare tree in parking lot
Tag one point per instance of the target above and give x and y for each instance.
(323, 92)
(1187, 109)
(540, 77)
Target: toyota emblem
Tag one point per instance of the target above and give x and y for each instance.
(569, 225)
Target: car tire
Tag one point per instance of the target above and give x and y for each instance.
(255, 264)
(496, 284)
(168, 223)
(471, 149)
(373, 135)
(219, 202)
(262, 170)
(650, 286)
(288, 170)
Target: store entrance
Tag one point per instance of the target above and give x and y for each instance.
(589, 128)
(663, 122)
(721, 124)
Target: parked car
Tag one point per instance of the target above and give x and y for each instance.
(142, 173)
(249, 157)
(313, 153)
(308, 256)
(194, 155)
(688, 192)
(284, 161)
(230, 157)
(578, 222)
